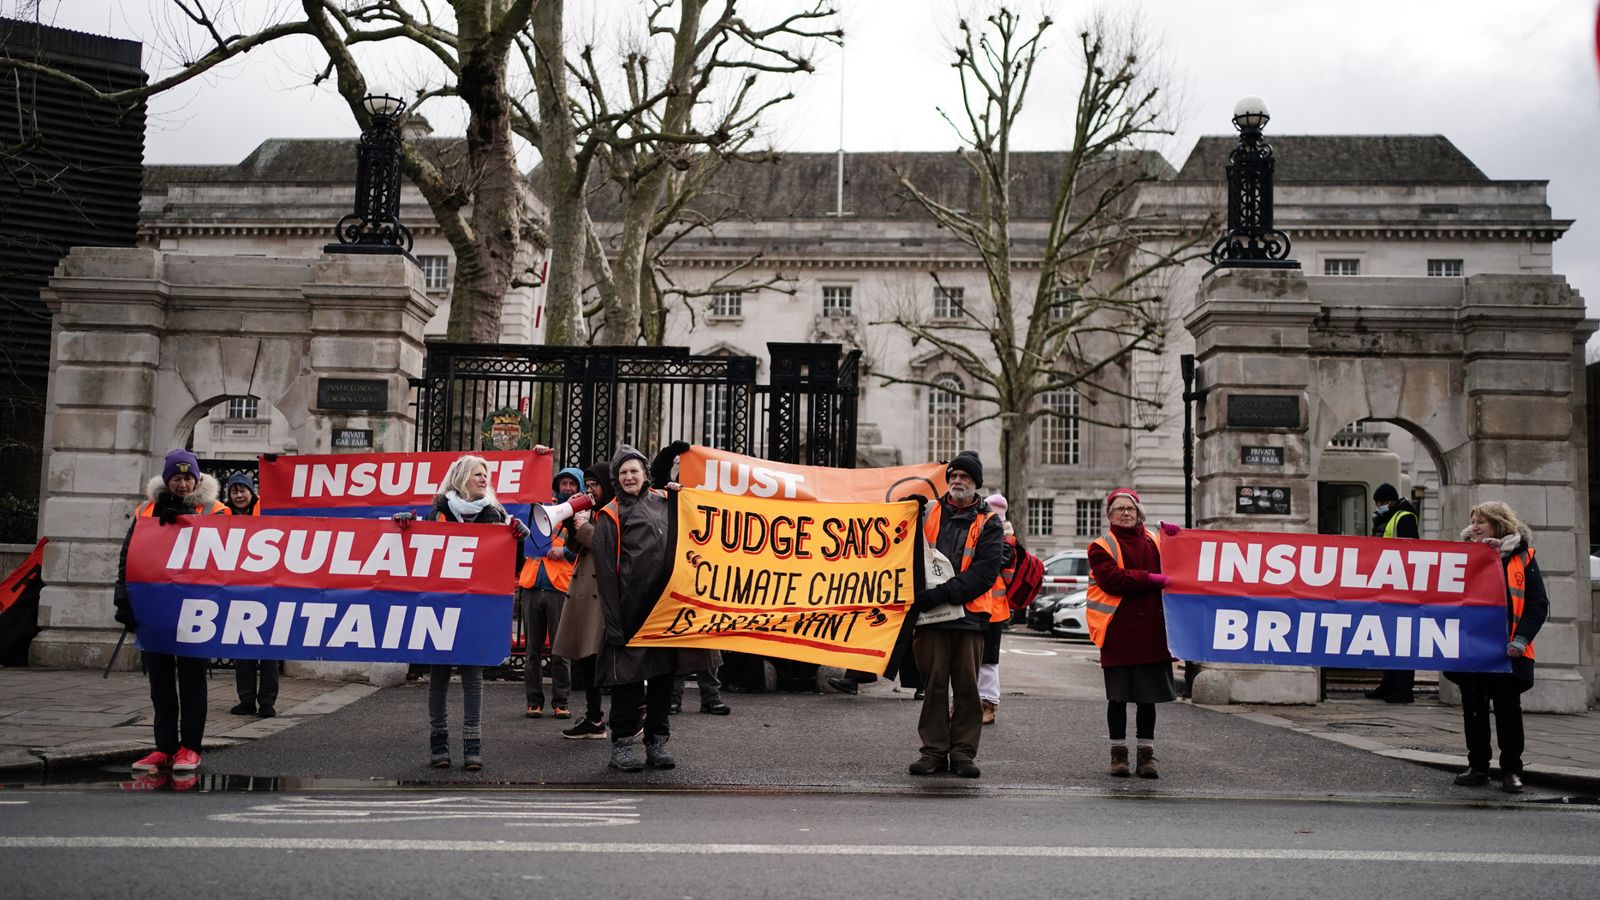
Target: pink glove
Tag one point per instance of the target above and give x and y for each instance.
(1159, 580)
(1169, 529)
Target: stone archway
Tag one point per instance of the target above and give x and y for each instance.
(1484, 371)
(145, 341)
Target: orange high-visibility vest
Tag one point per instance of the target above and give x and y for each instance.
(558, 571)
(148, 508)
(614, 512)
(1516, 585)
(991, 603)
(1102, 604)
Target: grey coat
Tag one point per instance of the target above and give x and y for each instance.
(630, 583)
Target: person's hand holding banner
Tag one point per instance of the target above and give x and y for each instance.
(1327, 600)
(828, 583)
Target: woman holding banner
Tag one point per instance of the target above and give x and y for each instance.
(1527, 606)
(1127, 623)
(631, 550)
(464, 496)
(177, 683)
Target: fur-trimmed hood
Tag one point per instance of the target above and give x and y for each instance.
(1509, 544)
(205, 493)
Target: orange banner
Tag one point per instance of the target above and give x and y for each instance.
(705, 469)
(827, 583)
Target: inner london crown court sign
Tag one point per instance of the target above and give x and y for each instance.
(354, 394)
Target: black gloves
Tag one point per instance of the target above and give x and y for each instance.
(169, 508)
(678, 448)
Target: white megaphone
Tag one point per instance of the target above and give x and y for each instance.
(548, 518)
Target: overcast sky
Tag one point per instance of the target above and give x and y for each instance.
(1514, 85)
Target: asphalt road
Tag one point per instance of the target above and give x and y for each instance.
(713, 844)
(796, 795)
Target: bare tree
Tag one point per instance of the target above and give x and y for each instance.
(689, 102)
(1098, 298)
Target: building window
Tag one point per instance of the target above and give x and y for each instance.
(1062, 303)
(837, 301)
(243, 407)
(1341, 267)
(1041, 517)
(1089, 524)
(435, 272)
(717, 418)
(1059, 429)
(947, 410)
(1444, 268)
(948, 301)
(727, 304)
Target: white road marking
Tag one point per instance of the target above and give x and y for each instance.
(1021, 652)
(1180, 854)
(13, 803)
(520, 813)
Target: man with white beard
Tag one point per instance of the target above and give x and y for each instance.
(963, 528)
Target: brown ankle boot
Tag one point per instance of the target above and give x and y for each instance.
(1119, 760)
(1146, 767)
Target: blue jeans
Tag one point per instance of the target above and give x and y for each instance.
(471, 699)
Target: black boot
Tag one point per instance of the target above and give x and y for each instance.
(439, 749)
(472, 754)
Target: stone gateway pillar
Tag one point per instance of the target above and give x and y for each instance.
(1484, 372)
(145, 342)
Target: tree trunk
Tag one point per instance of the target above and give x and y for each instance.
(1014, 474)
(564, 183)
(485, 273)
(622, 325)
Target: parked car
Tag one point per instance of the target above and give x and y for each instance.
(1041, 614)
(1066, 572)
(1068, 617)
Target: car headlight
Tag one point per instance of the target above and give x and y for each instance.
(1075, 603)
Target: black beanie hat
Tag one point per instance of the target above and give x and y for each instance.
(968, 462)
(1385, 493)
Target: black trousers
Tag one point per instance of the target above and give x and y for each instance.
(257, 681)
(1476, 703)
(178, 690)
(655, 694)
(585, 678)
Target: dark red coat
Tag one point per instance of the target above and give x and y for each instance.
(1138, 632)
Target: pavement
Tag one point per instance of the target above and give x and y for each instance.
(56, 720)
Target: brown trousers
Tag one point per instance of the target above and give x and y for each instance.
(948, 659)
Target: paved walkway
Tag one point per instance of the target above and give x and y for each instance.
(59, 718)
(1560, 749)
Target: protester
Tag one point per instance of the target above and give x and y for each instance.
(1127, 623)
(630, 553)
(707, 683)
(960, 526)
(1394, 518)
(1000, 617)
(542, 592)
(256, 680)
(582, 626)
(464, 496)
(1527, 606)
(177, 683)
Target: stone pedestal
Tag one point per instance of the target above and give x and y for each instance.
(1486, 374)
(145, 342)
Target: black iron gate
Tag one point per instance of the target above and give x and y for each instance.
(583, 401)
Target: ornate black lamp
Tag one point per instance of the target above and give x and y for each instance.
(1251, 240)
(375, 226)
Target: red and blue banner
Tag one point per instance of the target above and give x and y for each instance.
(335, 589)
(1328, 600)
(378, 485)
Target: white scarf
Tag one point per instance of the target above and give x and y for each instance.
(467, 510)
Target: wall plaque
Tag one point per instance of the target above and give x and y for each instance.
(352, 438)
(370, 394)
(1262, 501)
(1261, 456)
(1263, 411)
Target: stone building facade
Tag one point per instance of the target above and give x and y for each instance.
(850, 250)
